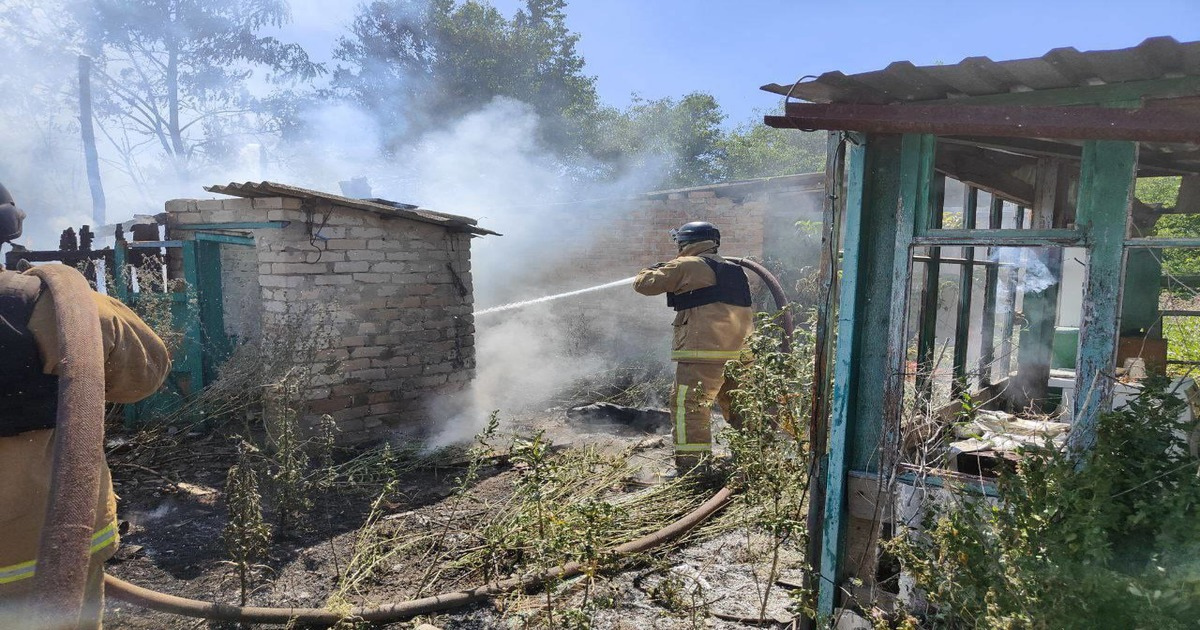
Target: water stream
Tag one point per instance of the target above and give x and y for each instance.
(524, 303)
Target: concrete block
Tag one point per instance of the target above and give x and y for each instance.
(351, 267)
(366, 254)
(372, 277)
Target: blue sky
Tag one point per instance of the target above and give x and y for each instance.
(669, 47)
(659, 48)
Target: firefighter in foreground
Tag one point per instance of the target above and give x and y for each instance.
(136, 362)
(711, 297)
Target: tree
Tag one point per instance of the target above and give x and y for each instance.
(681, 137)
(1164, 192)
(177, 74)
(415, 65)
(756, 150)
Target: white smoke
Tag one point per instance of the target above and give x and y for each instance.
(489, 165)
(1031, 274)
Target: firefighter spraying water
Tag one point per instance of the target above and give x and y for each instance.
(711, 298)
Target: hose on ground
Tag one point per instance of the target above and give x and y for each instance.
(63, 551)
(125, 591)
(133, 594)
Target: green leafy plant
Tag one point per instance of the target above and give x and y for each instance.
(770, 451)
(1110, 539)
(246, 534)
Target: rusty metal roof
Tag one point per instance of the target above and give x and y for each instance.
(381, 207)
(903, 82)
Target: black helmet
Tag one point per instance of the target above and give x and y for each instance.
(11, 217)
(695, 232)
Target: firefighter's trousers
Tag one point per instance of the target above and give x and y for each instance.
(697, 386)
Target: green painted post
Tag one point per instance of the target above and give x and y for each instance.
(887, 178)
(1106, 180)
(928, 314)
(211, 308)
(120, 264)
(966, 284)
(849, 303)
(193, 338)
(991, 279)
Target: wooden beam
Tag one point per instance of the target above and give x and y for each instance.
(987, 328)
(833, 206)
(1040, 303)
(885, 177)
(927, 315)
(1105, 194)
(1150, 163)
(966, 280)
(996, 172)
(1015, 121)
(851, 303)
(1006, 237)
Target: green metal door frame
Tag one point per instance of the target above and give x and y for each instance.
(198, 311)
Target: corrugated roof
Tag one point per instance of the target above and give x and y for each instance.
(380, 207)
(903, 82)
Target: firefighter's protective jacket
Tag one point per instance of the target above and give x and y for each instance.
(711, 333)
(136, 362)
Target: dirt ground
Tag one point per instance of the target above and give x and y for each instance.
(173, 515)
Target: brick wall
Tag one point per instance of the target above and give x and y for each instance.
(756, 219)
(394, 296)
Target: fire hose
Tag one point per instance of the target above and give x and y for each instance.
(79, 440)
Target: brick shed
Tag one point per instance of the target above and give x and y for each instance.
(372, 299)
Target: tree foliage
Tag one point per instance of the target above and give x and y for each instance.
(179, 75)
(680, 137)
(1164, 192)
(415, 64)
(756, 150)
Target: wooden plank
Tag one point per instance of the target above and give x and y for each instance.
(1105, 193)
(1056, 237)
(928, 312)
(1005, 121)
(987, 329)
(227, 239)
(966, 285)
(884, 181)
(193, 348)
(1160, 243)
(211, 307)
(1039, 296)
(850, 300)
(833, 207)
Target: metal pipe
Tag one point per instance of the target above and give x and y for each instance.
(64, 549)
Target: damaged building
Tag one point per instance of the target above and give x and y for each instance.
(992, 247)
(372, 300)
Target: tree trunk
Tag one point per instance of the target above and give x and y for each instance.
(173, 127)
(90, 155)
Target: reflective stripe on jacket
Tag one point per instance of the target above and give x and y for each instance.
(712, 333)
(102, 541)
